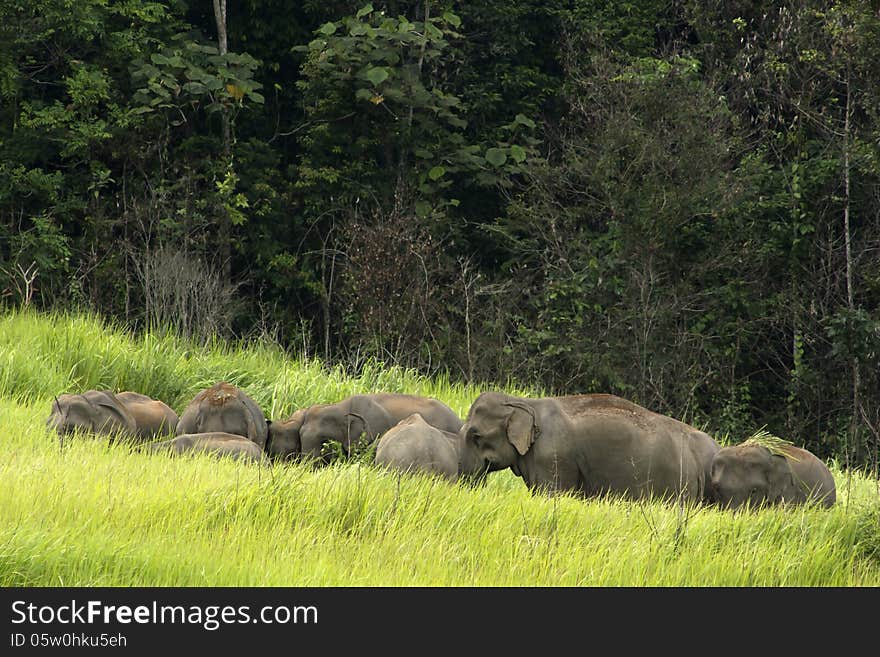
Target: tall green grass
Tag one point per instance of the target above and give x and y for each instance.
(93, 514)
(45, 355)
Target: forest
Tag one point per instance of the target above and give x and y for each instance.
(677, 202)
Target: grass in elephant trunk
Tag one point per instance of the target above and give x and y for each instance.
(93, 514)
(775, 444)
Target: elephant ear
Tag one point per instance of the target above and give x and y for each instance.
(252, 434)
(781, 478)
(57, 409)
(521, 427)
(296, 420)
(115, 409)
(365, 412)
(257, 426)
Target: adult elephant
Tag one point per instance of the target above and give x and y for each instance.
(413, 445)
(93, 411)
(591, 445)
(355, 421)
(225, 408)
(216, 443)
(152, 416)
(755, 474)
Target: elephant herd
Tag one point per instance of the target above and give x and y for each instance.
(587, 444)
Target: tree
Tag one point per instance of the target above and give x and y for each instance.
(803, 78)
(617, 233)
(386, 141)
(64, 129)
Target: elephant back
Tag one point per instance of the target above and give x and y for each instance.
(811, 478)
(412, 445)
(575, 405)
(153, 417)
(221, 405)
(433, 411)
(213, 443)
(674, 456)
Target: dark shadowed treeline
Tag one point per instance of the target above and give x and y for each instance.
(677, 202)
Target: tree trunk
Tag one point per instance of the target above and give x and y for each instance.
(402, 163)
(224, 232)
(850, 302)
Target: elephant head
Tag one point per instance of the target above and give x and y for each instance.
(284, 439)
(498, 429)
(355, 421)
(227, 409)
(94, 411)
(472, 467)
(752, 474)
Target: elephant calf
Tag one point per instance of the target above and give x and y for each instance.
(413, 445)
(227, 409)
(216, 443)
(755, 474)
(152, 417)
(93, 411)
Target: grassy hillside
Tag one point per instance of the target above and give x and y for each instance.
(94, 514)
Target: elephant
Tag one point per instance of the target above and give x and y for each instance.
(755, 474)
(413, 445)
(590, 445)
(355, 421)
(225, 408)
(94, 411)
(283, 441)
(153, 417)
(217, 443)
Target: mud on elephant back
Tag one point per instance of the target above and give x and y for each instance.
(224, 408)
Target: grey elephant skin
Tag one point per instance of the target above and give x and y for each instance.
(216, 443)
(153, 417)
(753, 474)
(225, 408)
(413, 445)
(591, 445)
(93, 411)
(284, 442)
(354, 422)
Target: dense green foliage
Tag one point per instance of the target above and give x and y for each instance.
(89, 514)
(673, 201)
